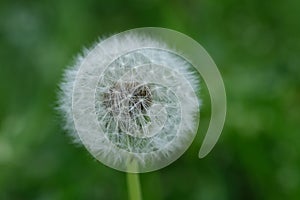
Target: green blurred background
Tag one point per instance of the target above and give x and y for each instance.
(256, 45)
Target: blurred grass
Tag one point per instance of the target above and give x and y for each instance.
(256, 45)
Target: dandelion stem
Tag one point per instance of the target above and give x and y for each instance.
(134, 187)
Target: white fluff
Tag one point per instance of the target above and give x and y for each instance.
(151, 110)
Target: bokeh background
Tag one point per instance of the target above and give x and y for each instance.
(256, 45)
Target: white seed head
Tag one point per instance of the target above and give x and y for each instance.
(131, 99)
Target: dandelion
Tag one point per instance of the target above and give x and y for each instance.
(132, 101)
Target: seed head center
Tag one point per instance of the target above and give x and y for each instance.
(128, 104)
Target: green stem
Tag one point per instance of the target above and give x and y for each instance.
(134, 187)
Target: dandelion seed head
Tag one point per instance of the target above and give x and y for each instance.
(131, 97)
